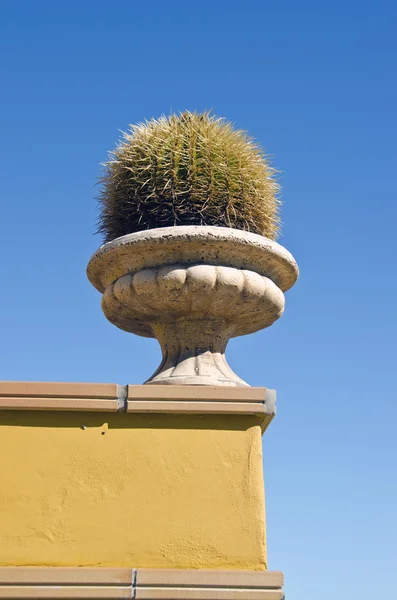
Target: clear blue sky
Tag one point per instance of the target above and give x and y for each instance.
(315, 83)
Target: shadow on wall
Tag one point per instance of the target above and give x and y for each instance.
(122, 420)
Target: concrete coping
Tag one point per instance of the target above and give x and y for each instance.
(101, 397)
(32, 395)
(149, 584)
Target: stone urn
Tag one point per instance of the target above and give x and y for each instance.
(193, 288)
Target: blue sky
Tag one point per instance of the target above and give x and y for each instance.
(315, 83)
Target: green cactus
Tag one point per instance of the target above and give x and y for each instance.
(187, 169)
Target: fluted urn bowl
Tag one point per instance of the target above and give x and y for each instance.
(192, 288)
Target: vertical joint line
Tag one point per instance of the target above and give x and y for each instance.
(122, 398)
(133, 583)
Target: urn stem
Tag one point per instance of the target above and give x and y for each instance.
(194, 353)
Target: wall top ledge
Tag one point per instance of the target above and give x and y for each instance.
(95, 583)
(168, 399)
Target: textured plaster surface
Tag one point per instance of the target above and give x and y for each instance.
(86, 489)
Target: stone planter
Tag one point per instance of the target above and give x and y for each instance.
(192, 288)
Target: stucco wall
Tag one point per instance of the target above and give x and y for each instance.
(171, 491)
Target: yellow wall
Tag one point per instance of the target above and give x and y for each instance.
(131, 490)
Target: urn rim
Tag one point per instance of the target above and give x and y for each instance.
(203, 244)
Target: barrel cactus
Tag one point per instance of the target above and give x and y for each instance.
(187, 169)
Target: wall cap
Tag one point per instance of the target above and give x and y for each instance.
(166, 399)
(150, 584)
